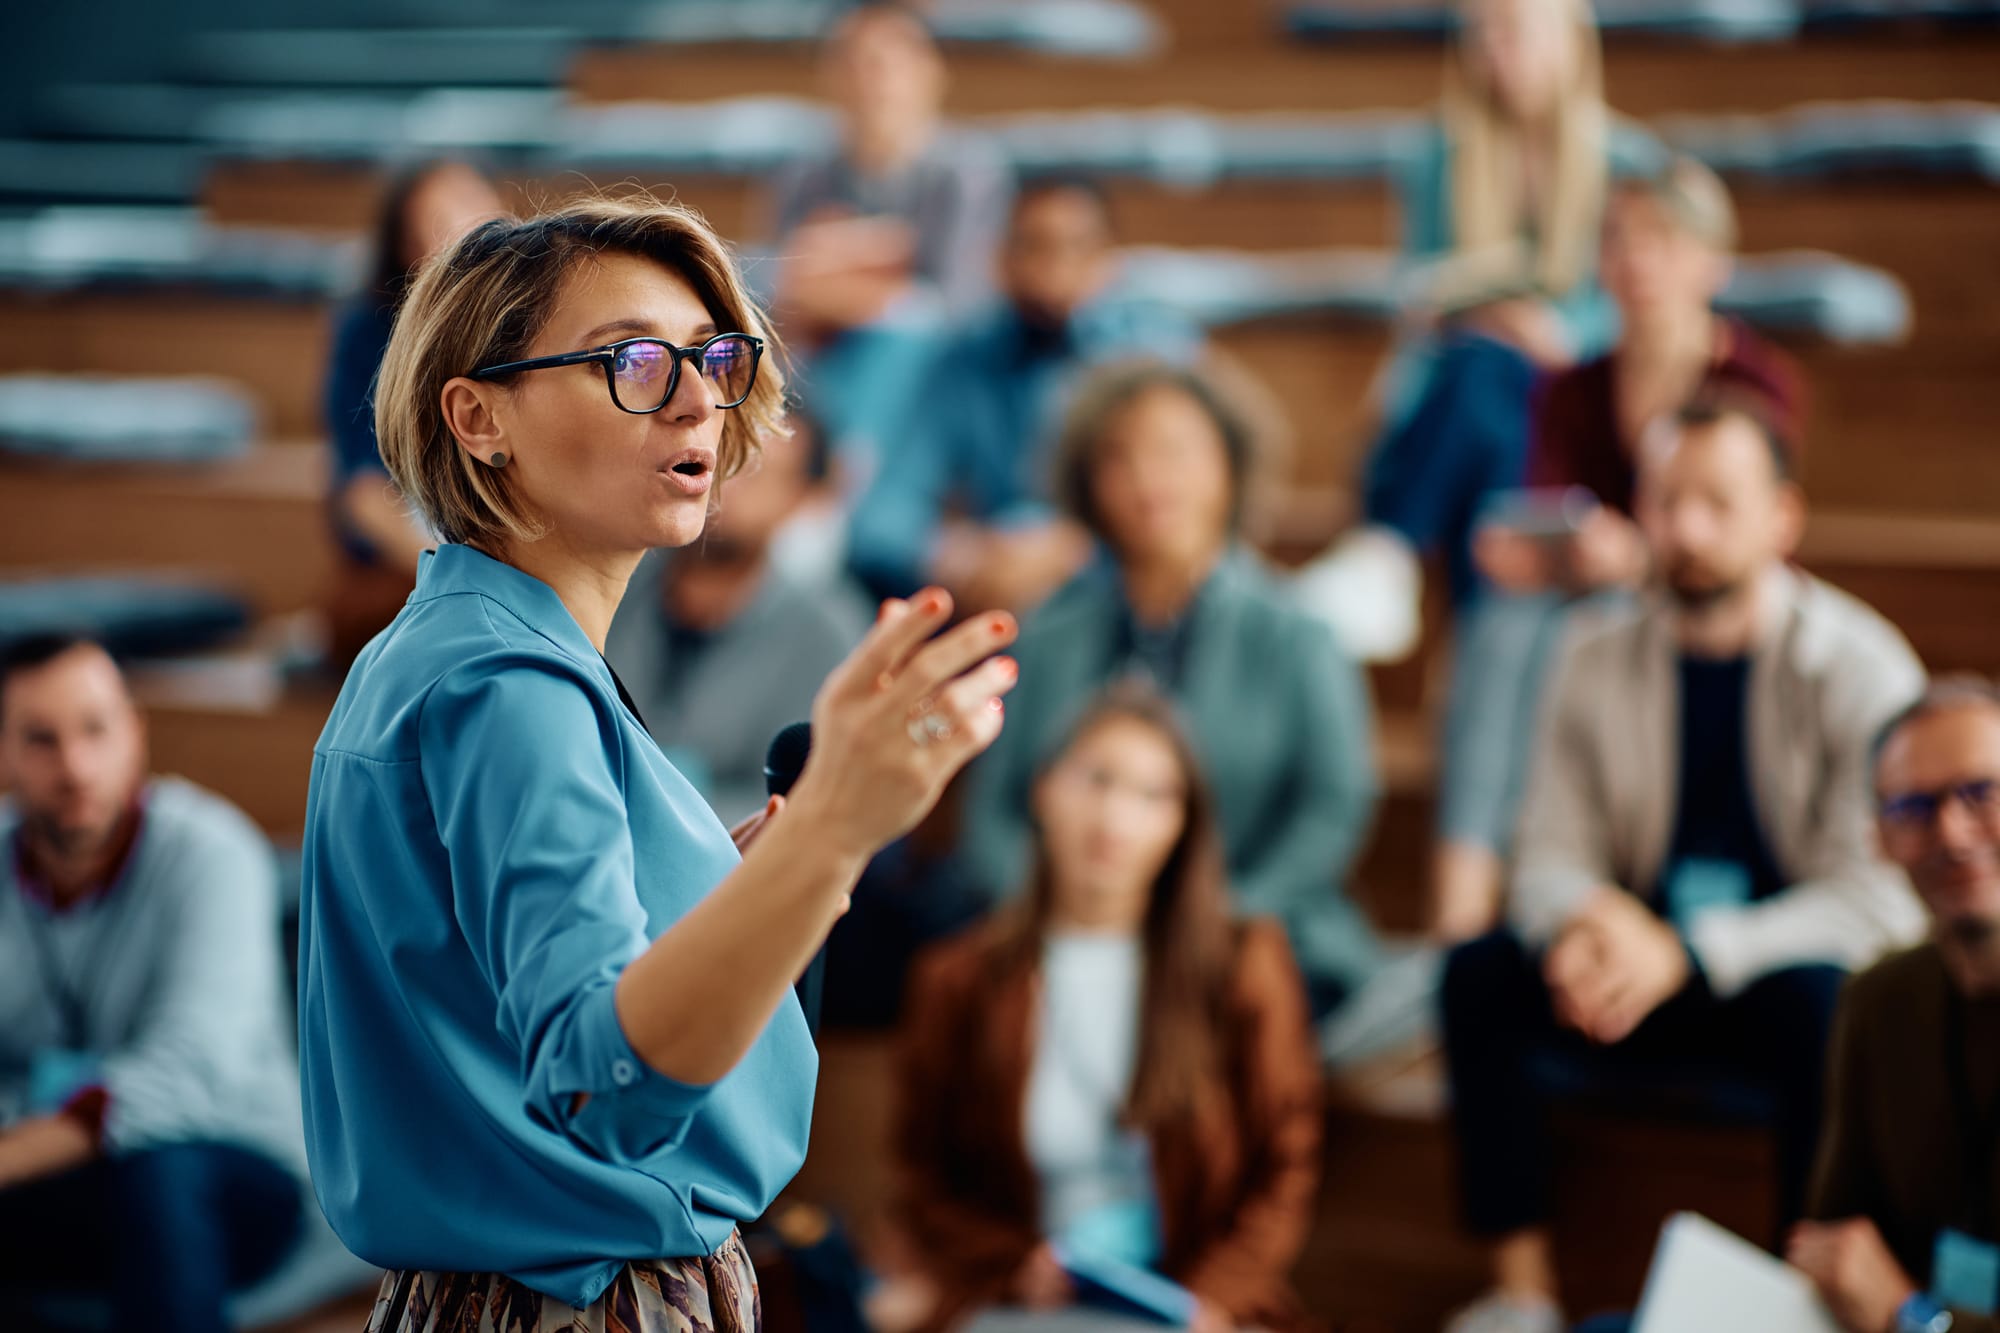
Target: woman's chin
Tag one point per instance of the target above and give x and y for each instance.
(676, 525)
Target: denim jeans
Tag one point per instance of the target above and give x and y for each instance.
(1466, 439)
(164, 1235)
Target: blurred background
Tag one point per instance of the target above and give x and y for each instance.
(191, 193)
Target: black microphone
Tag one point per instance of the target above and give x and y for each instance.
(786, 758)
(783, 763)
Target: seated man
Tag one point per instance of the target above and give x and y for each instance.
(1664, 260)
(721, 648)
(887, 236)
(150, 1141)
(1908, 1187)
(981, 440)
(1695, 865)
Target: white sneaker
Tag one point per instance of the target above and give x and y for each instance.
(1369, 589)
(1502, 1312)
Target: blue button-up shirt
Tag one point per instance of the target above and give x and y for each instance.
(490, 838)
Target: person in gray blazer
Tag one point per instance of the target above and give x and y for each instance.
(1695, 869)
(1155, 461)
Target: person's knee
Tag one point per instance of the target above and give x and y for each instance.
(1793, 1013)
(161, 1187)
(1803, 999)
(1485, 977)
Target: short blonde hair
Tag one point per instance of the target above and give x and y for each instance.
(483, 301)
(1693, 196)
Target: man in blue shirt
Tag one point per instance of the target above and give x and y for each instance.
(150, 1141)
(961, 498)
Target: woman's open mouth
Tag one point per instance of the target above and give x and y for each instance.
(691, 473)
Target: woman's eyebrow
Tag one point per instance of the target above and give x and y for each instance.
(645, 328)
(626, 325)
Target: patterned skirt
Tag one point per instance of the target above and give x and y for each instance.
(717, 1294)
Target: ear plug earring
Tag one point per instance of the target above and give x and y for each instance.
(498, 458)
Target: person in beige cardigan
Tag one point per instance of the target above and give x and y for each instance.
(1695, 867)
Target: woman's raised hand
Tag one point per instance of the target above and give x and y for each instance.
(899, 718)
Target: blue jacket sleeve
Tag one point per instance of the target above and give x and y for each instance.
(896, 523)
(520, 761)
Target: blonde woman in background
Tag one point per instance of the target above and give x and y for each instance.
(1500, 204)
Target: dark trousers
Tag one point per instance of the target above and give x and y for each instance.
(1500, 1032)
(1466, 439)
(162, 1235)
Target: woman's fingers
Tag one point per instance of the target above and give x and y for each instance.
(901, 628)
(940, 661)
(971, 705)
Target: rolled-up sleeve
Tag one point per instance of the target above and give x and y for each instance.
(521, 768)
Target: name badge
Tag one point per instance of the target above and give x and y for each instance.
(55, 1076)
(1699, 885)
(1965, 1273)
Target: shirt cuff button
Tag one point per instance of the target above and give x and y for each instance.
(624, 1073)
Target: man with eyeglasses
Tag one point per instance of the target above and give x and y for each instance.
(1908, 1186)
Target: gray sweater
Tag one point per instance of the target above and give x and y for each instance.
(169, 988)
(715, 709)
(1826, 671)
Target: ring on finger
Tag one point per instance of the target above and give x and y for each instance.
(929, 725)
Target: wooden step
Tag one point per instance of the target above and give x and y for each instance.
(277, 349)
(258, 756)
(1645, 77)
(256, 524)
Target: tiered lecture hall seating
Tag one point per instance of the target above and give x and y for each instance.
(1901, 468)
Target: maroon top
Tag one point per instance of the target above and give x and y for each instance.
(1578, 441)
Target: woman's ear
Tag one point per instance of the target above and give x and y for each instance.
(471, 415)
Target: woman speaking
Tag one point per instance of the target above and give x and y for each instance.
(551, 1054)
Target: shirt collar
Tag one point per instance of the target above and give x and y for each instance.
(453, 568)
(37, 889)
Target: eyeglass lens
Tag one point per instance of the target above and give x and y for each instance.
(642, 373)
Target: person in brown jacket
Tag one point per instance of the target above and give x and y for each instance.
(1110, 1063)
(1906, 1204)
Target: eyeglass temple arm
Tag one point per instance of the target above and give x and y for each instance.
(598, 354)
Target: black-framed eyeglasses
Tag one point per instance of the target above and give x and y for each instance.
(642, 373)
(1917, 811)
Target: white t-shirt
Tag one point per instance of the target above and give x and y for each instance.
(1096, 1175)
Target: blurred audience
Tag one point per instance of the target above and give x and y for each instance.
(1156, 461)
(1907, 1194)
(962, 497)
(889, 236)
(425, 209)
(1696, 866)
(1665, 258)
(1108, 1065)
(151, 1154)
(720, 648)
(1501, 208)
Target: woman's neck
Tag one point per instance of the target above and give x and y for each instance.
(1659, 364)
(591, 584)
(1085, 922)
(1683, 342)
(1161, 589)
